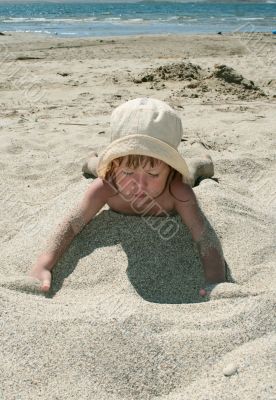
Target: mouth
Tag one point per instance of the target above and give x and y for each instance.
(140, 195)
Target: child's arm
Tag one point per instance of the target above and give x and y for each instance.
(94, 199)
(203, 234)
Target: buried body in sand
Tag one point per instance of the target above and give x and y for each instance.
(123, 318)
(142, 173)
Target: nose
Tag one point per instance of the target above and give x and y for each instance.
(142, 183)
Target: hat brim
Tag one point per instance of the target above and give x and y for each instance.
(146, 146)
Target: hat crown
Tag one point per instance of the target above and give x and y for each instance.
(149, 117)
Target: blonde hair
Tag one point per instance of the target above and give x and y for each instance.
(132, 161)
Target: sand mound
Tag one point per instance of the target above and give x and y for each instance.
(229, 75)
(198, 82)
(174, 72)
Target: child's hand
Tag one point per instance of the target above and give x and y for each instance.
(206, 291)
(224, 290)
(42, 274)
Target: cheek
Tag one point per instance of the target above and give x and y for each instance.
(154, 186)
(158, 182)
(126, 184)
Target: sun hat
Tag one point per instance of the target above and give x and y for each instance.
(145, 126)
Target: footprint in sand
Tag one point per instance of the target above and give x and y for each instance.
(14, 149)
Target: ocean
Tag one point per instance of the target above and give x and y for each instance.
(77, 19)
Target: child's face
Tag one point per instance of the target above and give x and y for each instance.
(143, 181)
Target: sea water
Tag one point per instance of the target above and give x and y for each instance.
(81, 19)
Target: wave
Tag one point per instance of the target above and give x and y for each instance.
(48, 20)
(176, 19)
(249, 19)
(173, 20)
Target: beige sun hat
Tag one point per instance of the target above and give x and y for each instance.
(148, 127)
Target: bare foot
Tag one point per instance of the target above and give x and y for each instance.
(90, 165)
(202, 166)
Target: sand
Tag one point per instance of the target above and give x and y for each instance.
(124, 319)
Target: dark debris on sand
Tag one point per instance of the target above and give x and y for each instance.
(198, 82)
(229, 75)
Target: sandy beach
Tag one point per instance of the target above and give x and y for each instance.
(123, 319)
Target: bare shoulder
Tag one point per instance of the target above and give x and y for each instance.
(99, 189)
(95, 197)
(182, 192)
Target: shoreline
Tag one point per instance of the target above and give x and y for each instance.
(56, 36)
(245, 42)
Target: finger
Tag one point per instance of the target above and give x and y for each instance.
(45, 285)
(202, 292)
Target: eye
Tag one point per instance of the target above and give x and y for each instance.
(127, 173)
(151, 174)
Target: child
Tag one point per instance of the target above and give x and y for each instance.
(142, 173)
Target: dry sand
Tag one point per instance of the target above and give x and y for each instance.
(124, 319)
